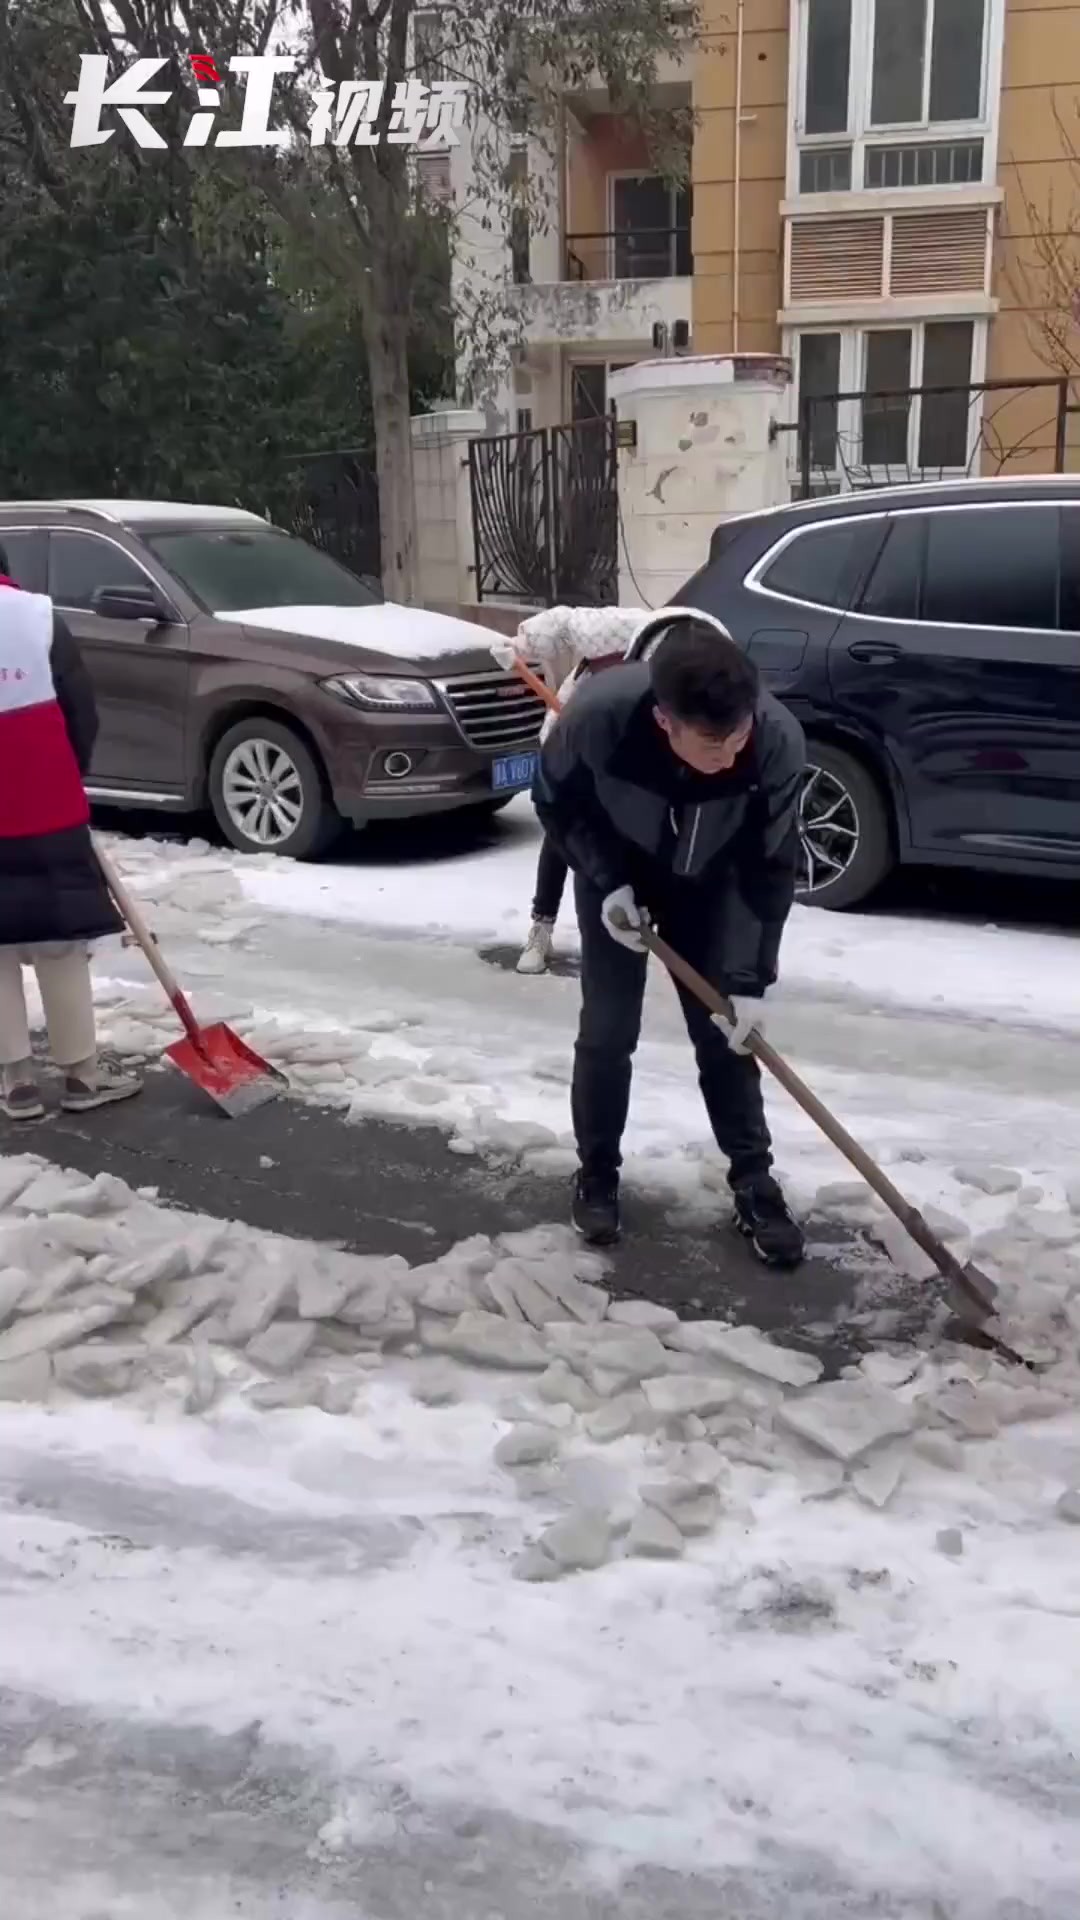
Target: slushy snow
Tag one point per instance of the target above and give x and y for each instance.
(335, 1586)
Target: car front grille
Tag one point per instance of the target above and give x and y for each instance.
(495, 711)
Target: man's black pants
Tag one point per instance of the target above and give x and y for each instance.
(612, 996)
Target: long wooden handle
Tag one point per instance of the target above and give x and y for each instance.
(909, 1217)
(536, 685)
(131, 913)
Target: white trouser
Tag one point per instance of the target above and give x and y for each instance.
(63, 975)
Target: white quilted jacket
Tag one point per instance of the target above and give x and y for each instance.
(559, 639)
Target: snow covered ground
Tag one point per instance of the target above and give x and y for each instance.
(285, 1627)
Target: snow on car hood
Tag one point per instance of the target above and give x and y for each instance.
(402, 633)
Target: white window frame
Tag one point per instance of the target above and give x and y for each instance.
(853, 359)
(861, 133)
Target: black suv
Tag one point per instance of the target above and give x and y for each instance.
(928, 639)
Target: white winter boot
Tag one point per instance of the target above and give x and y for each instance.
(537, 951)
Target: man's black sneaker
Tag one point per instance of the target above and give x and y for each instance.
(761, 1214)
(595, 1211)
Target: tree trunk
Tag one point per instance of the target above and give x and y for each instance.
(388, 366)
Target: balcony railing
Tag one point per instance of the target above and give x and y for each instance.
(631, 253)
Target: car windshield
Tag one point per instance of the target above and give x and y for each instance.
(240, 567)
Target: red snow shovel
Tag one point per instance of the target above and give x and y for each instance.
(215, 1058)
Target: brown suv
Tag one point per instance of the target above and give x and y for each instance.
(237, 666)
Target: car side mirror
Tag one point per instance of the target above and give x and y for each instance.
(128, 603)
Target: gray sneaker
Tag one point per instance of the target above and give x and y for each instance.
(108, 1085)
(22, 1103)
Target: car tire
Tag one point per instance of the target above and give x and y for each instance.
(849, 803)
(302, 823)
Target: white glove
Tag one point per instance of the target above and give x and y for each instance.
(622, 902)
(504, 653)
(749, 1019)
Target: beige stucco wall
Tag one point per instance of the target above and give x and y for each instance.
(764, 146)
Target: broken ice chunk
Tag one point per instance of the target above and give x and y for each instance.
(987, 1179)
(616, 1418)
(489, 1341)
(747, 1348)
(26, 1379)
(48, 1332)
(537, 1566)
(97, 1371)
(845, 1418)
(876, 1480)
(674, 1396)
(282, 1346)
(526, 1446)
(579, 1541)
(561, 1385)
(653, 1536)
(642, 1313)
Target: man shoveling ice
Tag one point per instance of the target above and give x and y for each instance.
(671, 789)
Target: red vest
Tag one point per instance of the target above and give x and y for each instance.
(41, 789)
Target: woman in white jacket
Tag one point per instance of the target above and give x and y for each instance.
(566, 645)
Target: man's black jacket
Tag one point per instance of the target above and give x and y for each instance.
(625, 811)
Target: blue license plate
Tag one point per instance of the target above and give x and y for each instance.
(517, 770)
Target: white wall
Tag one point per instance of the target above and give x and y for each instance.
(443, 506)
(704, 451)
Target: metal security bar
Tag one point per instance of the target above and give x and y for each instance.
(545, 514)
(872, 438)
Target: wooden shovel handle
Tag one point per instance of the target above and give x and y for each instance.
(909, 1217)
(536, 685)
(145, 939)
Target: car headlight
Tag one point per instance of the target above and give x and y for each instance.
(381, 693)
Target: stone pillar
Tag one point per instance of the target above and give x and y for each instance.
(705, 446)
(443, 507)
(546, 241)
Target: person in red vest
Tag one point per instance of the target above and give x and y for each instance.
(53, 899)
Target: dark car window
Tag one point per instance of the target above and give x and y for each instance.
(1069, 612)
(820, 565)
(81, 563)
(229, 570)
(27, 564)
(892, 591)
(992, 567)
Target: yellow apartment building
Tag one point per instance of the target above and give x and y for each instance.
(888, 191)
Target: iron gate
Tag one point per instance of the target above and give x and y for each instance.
(333, 503)
(545, 514)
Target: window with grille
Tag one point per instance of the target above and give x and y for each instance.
(825, 170)
(949, 163)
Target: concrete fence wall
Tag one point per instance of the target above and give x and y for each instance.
(700, 445)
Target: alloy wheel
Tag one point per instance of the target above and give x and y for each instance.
(828, 830)
(263, 792)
